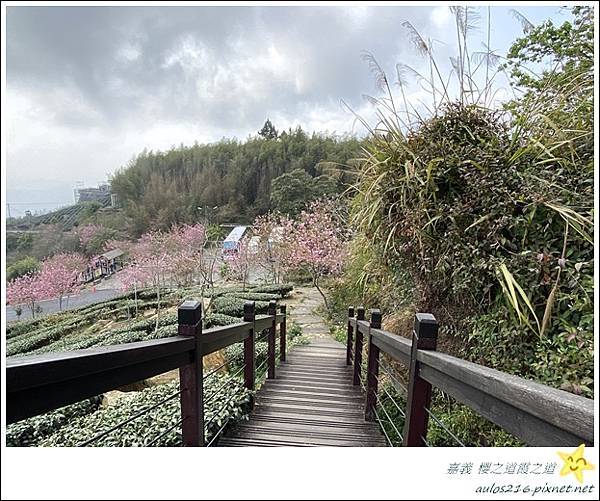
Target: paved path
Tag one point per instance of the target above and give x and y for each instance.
(311, 401)
(51, 305)
(304, 308)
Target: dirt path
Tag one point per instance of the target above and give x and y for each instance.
(303, 305)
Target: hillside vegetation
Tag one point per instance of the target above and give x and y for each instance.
(241, 178)
(484, 217)
(126, 320)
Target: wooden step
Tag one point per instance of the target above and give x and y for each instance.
(310, 402)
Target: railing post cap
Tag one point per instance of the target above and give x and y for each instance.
(351, 311)
(360, 313)
(249, 311)
(282, 308)
(189, 312)
(426, 326)
(272, 307)
(376, 318)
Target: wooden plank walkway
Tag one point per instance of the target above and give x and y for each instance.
(311, 402)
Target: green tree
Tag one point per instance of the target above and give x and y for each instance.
(291, 192)
(268, 130)
(22, 267)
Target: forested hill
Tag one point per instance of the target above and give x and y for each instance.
(241, 178)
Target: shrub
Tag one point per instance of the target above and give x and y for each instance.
(217, 319)
(255, 296)
(234, 307)
(230, 404)
(293, 330)
(282, 289)
(31, 431)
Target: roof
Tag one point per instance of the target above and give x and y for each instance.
(236, 234)
(112, 254)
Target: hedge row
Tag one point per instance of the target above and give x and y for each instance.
(218, 319)
(230, 403)
(282, 289)
(31, 431)
(255, 296)
(233, 306)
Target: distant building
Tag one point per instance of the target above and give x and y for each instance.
(100, 194)
(232, 241)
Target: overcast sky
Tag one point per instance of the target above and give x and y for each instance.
(90, 87)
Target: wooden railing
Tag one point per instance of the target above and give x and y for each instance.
(40, 383)
(536, 414)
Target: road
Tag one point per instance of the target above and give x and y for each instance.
(106, 289)
(51, 305)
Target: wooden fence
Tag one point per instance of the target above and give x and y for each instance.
(533, 412)
(40, 383)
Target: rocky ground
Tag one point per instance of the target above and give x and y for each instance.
(304, 305)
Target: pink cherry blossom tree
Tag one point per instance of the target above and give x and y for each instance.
(26, 290)
(185, 246)
(59, 275)
(238, 263)
(276, 243)
(133, 277)
(151, 254)
(319, 243)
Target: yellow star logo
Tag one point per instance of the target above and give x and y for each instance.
(575, 463)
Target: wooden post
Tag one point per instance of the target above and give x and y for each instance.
(271, 341)
(419, 391)
(372, 369)
(189, 316)
(283, 333)
(249, 352)
(358, 346)
(349, 337)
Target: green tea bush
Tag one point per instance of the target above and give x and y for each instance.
(234, 307)
(255, 296)
(282, 289)
(229, 404)
(218, 319)
(235, 355)
(31, 431)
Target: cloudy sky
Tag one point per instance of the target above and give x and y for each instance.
(89, 87)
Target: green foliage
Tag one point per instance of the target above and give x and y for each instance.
(256, 296)
(294, 330)
(218, 319)
(485, 218)
(158, 189)
(234, 307)
(215, 233)
(22, 267)
(282, 289)
(31, 431)
(230, 403)
(268, 130)
(235, 355)
(292, 191)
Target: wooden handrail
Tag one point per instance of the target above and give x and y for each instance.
(537, 414)
(40, 383)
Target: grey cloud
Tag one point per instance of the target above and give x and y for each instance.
(78, 49)
(88, 87)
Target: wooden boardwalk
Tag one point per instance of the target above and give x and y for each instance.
(311, 402)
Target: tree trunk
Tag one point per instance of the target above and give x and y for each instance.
(316, 284)
(157, 307)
